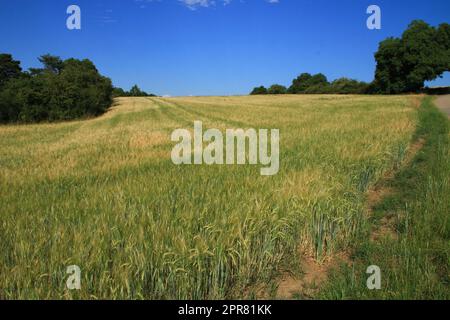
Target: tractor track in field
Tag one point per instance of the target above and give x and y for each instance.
(168, 111)
(197, 113)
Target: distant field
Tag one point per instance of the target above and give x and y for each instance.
(103, 194)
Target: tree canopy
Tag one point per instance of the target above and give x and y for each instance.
(135, 91)
(61, 90)
(277, 89)
(259, 90)
(9, 68)
(348, 86)
(52, 63)
(421, 54)
(300, 84)
(306, 83)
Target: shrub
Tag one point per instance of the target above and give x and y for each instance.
(307, 83)
(348, 86)
(277, 89)
(259, 90)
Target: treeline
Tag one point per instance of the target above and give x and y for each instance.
(135, 91)
(60, 90)
(316, 84)
(421, 54)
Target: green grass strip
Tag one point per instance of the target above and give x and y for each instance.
(414, 258)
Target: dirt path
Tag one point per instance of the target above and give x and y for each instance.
(443, 103)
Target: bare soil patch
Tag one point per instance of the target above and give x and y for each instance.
(314, 274)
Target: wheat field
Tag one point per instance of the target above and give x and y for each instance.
(104, 194)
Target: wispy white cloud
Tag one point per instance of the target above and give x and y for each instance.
(194, 4)
(143, 3)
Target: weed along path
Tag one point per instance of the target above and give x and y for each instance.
(443, 103)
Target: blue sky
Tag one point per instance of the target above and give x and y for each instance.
(203, 47)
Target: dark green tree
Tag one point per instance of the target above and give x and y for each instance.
(71, 90)
(277, 89)
(119, 92)
(300, 84)
(9, 68)
(82, 90)
(318, 84)
(259, 90)
(348, 86)
(137, 92)
(51, 63)
(307, 83)
(421, 54)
